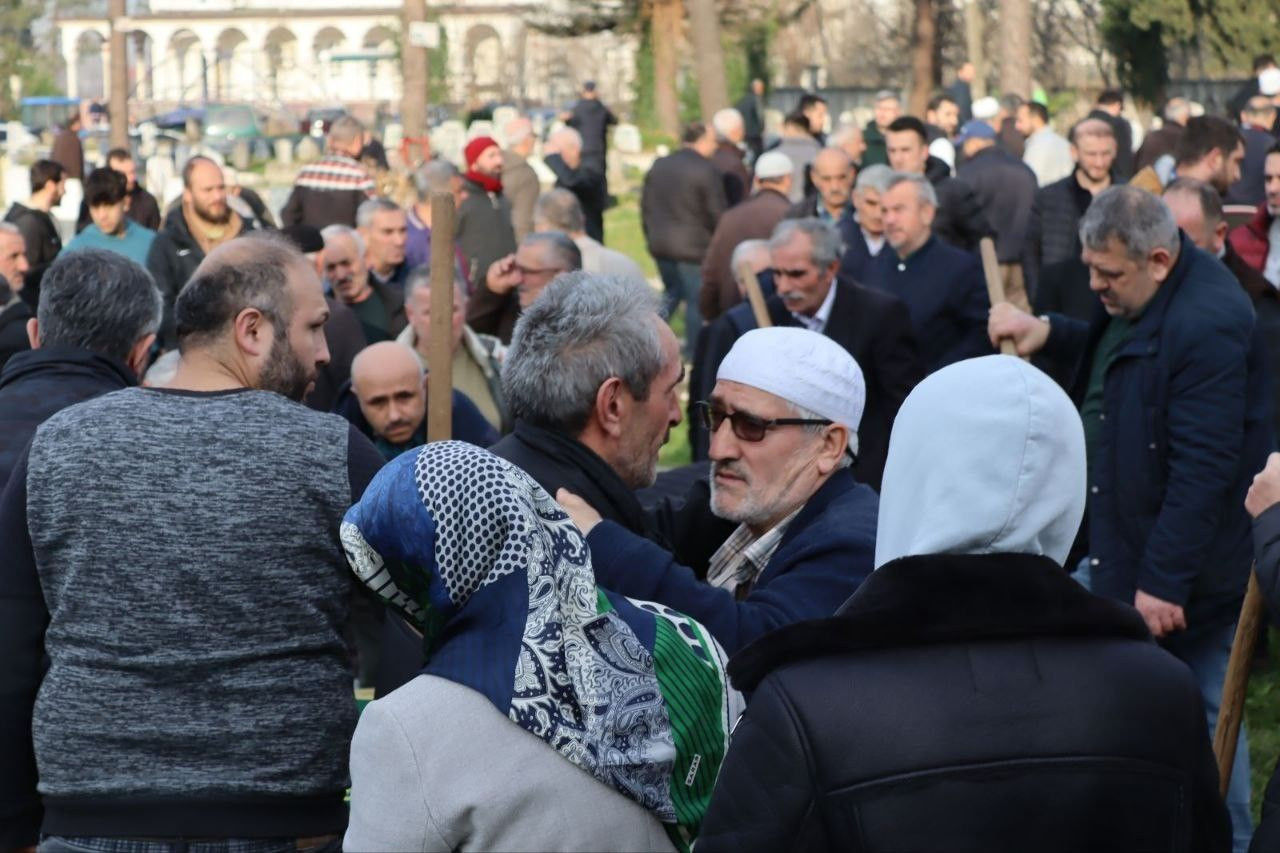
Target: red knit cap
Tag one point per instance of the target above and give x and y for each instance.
(478, 146)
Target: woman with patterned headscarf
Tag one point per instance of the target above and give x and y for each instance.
(551, 714)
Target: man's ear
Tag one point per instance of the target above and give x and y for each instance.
(1159, 264)
(137, 358)
(33, 333)
(611, 405)
(253, 332)
(835, 441)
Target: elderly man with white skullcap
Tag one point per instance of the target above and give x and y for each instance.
(783, 417)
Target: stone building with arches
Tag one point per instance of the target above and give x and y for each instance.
(325, 52)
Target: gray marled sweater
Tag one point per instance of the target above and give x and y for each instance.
(183, 551)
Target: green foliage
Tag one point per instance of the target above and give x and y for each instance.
(646, 110)
(438, 68)
(18, 56)
(1147, 36)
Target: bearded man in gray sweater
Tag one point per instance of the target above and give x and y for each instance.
(174, 554)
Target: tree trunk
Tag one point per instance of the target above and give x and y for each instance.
(974, 36)
(708, 57)
(413, 101)
(664, 33)
(924, 36)
(118, 105)
(1015, 47)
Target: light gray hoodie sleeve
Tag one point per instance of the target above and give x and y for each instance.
(389, 811)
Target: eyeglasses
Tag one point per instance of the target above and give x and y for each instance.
(781, 273)
(536, 271)
(745, 426)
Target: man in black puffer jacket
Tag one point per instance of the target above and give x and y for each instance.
(970, 696)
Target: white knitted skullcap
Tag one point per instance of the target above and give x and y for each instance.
(805, 368)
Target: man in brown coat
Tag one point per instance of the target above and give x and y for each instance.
(520, 184)
(753, 219)
(67, 151)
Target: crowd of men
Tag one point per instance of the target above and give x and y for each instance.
(869, 478)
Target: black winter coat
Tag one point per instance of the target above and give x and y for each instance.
(1005, 189)
(13, 330)
(42, 242)
(1187, 405)
(592, 120)
(874, 327)
(485, 234)
(682, 199)
(960, 220)
(175, 253)
(36, 384)
(967, 703)
(589, 187)
(1053, 239)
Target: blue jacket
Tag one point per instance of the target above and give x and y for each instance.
(946, 294)
(827, 551)
(1186, 425)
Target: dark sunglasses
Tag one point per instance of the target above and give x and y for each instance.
(747, 427)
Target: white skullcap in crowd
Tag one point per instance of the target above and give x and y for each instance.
(773, 164)
(986, 108)
(1269, 82)
(805, 368)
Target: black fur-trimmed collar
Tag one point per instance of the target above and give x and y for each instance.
(945, 598)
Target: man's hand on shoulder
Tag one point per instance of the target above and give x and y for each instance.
(580, 512)
(1265, 491)
(1162, 617)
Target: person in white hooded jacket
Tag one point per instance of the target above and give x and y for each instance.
(971, 696)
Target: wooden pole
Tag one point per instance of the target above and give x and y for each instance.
(440, 347)
(118, 96)
(995, 285)
(1231, 708)
(413, 101)
(747, 278)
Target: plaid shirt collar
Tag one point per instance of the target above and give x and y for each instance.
(737, 564)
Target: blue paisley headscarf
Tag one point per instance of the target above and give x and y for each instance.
(499, 581)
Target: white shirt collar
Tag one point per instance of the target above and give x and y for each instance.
(818, 322)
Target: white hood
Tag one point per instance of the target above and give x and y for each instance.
(986, 457)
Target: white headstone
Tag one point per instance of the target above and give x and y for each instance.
(502, 115)
(308, 150)
(283, 151)
(626, 139)
(479, 128)
(448, 139)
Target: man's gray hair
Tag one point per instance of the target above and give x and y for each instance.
(98, 301)
(725, 121)
(924, 190)
(10, 228)
(875, 177)
(559, 210)
(844, 132)
(371, 206)
(582, 331)
(824, 239)
(1139, 220)
(435, 176)
(419, 278)
(345, 129)
(800, 412)
(1177, 109)
(887, 95)
(564, 252)
(745, 248)
(330, 232)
